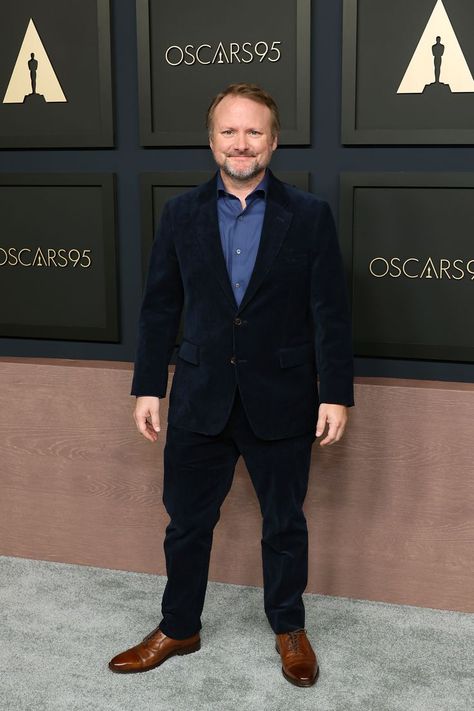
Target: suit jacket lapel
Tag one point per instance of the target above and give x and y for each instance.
(207, 232)
(276, 222)
(275, 226)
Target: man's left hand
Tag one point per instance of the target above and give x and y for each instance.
(336, 417)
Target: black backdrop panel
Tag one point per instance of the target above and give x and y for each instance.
(409, 253)
(389, 90)
(188, 52)
(71, 104)
(157, 188)
(57, 257)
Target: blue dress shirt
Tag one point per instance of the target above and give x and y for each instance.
(240, 232)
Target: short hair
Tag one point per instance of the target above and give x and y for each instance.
(247, 91)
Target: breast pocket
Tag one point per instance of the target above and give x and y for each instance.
(291, 259)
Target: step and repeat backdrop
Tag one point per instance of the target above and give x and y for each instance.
(407, 79)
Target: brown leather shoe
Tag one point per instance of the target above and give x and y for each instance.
(152, 651)
(299, 662)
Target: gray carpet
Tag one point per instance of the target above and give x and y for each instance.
(62, 623)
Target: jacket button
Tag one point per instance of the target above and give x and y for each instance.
(233, 360)
(238, 321)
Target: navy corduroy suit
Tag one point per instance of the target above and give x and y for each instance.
(245, 383)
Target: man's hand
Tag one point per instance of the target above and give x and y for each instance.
(336, 417)
(148, 407)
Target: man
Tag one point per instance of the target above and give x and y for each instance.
(257, 266)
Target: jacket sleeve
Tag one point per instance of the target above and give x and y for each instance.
(160, 314)
(331, 315)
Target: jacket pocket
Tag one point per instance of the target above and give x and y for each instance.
(189, 351)
(292, 264)
(296, 355)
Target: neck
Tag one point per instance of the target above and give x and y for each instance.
(241, 188)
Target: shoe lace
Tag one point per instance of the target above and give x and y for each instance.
(294, 640)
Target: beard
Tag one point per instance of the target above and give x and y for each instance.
(242, 173)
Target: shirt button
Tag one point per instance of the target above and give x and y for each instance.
(238, 251)
(237, 285)
(233, 360)
(240, 218)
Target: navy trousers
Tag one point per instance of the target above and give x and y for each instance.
(198, 473)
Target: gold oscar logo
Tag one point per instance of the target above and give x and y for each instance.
(425, 268)
(224, 53)
(438, 64)
(33, 79)
(45, 257)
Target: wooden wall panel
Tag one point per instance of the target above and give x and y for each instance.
(389, 508)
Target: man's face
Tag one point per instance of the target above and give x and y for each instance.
(241, 139)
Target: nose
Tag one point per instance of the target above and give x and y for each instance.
(241, 143)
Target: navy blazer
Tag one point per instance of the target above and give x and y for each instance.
(292, 325)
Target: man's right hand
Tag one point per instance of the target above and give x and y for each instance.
(147, 407)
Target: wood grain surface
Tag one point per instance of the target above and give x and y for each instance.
(389, 507)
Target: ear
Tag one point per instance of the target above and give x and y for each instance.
(275, 142)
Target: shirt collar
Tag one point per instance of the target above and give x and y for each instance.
(262, 186)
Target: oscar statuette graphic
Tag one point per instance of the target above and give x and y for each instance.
(451, 70)
(438, 51)
(33, 80)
